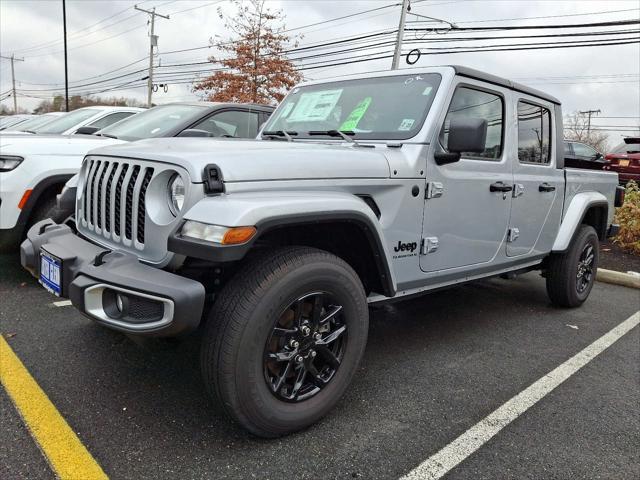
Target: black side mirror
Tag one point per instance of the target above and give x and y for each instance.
(194, 132)
(87, 130)
(598, 156)
(465, 135)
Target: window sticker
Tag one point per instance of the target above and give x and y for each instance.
(406, 124)
(315, 106)
(427, 91)
(356, 115)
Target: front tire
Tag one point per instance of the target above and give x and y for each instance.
(571, 275)
(284, 339)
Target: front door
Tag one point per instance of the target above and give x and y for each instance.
(467, 214)
(538, 184)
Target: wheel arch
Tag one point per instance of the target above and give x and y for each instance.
(348, 235)
(47, 187)
(338, 222)
(589, 208)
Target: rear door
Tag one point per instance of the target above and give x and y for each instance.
(465, 219)
(538, 184)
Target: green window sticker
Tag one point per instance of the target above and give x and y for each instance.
(356, 115)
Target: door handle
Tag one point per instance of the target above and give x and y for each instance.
(545, 187)
(500, 187)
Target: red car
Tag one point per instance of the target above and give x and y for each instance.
(625, 160)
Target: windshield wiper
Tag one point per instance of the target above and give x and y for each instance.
(280, 133)
(107, 135)
(29, 131)
(344, 134)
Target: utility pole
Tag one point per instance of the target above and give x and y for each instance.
(406, 7)
(13, 79)
(66, 70)
(152, 43)
(589, 112)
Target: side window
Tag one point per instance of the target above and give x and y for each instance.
(534, 133)
(469, 102)
(584, 150)
(110, 119)
(232, 123)
(567, 149)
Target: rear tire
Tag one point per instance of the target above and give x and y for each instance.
(571, 275)
(268, 307)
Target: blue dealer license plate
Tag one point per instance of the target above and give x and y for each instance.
(51, 273)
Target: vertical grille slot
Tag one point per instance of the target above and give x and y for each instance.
(107, 200)
(85, 191)
(141, 205)
(92, 192)
(118, 195)
(100, 198)
(129, 202)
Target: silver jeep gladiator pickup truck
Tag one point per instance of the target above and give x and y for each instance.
(361, 189)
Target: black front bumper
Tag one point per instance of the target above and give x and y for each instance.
(150, 302)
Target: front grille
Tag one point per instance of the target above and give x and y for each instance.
(113, 200)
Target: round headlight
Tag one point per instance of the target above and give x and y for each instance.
(176, 194)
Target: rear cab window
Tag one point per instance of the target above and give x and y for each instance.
(534, 133)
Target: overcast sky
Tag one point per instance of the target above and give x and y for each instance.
(605, 78)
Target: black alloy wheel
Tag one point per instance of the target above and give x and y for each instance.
(585, 273)
(305, 348)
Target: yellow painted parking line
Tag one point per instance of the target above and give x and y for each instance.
(67, 455)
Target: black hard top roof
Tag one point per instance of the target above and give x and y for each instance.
(487, 77)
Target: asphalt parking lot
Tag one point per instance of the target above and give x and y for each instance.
(434, 367)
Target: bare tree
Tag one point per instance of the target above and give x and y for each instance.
(576, 128)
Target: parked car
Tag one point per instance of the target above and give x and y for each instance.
(89, 118)
(364, 189)
(625, 160)
(30, 124)
(580, 155)
(34, 168)
(13, 120)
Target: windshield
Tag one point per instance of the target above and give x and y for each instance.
(627, 148)
(36, 122)
(70, 120)
(11, 120)
(373, 108)
(156, 122)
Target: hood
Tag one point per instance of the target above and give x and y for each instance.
(253, 160)
(52, 144)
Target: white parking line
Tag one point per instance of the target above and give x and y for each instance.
(451, 455)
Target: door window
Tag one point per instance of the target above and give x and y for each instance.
(471, 103)
(534, 134)
(231, 123)
(110, 119)
(584, 151)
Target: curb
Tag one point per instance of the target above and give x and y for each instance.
(618, 278)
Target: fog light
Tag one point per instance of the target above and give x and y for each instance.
(119, 302)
